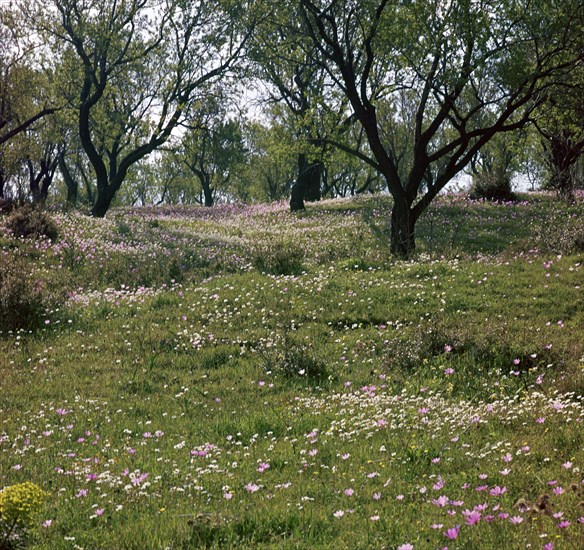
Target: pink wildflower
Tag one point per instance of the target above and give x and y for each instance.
(452, 533)
(472, 518)
(516, 520)
(564, 524)
(497, 491)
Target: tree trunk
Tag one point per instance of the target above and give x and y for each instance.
(105, 196)
(297, 198)
(47, 180)
(307, 185)
(71, 183)
(313, 180)
(205, 181)
(49, 174)
(34, 180)
(403, 220)
(88, 188)
(565, 184)
(207, 192)
(2, 182)
(564, 153)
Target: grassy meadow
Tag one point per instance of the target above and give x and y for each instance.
(242, 377)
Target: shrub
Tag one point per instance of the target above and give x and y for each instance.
(494, 345)
(278, 258)
(300, 362)
(408, 351)
(124, 230)
(19, 504)
(24, 300)
(491, 187)
(7, 205)
(560, 235)
(292, 360)
(28, 221)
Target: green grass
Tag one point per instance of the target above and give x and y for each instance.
(387, 398)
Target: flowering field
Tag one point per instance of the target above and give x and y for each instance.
(242, 377)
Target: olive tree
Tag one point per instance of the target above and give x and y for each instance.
(24, 97)
(132, 69)
(472, 69)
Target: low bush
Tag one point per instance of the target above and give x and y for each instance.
(292, 360)
(493, 346)
(278, 258)
(560, 235)
(28, 221)
(406, 351)
(491, 187)
(24, 299)
(7, 205)
(19, 505)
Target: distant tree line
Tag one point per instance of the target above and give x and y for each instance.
(194, 102)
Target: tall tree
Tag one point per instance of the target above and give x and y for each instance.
(560, 123)
(295, 80)
(472, 69)
(22, 101)
(41, 174)
(138, 65)
(212, 149)
(23, 92)
(270, 171)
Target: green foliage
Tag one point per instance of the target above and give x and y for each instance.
(278, 257)
(7, 206)
(490, 349)
(29, 221)
(21, 502)
(492, 187)
(466, 89)
(269, 172)
(124, 230)
(24, 299)
(293, 359)
(405, 351)
(19, 506)
(559, 234)
(109, 75)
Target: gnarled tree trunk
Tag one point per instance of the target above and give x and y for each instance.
(403, 222)
(307, 185)
(103, 200)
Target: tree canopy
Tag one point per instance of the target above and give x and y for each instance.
(467, 71)
(349, 96)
